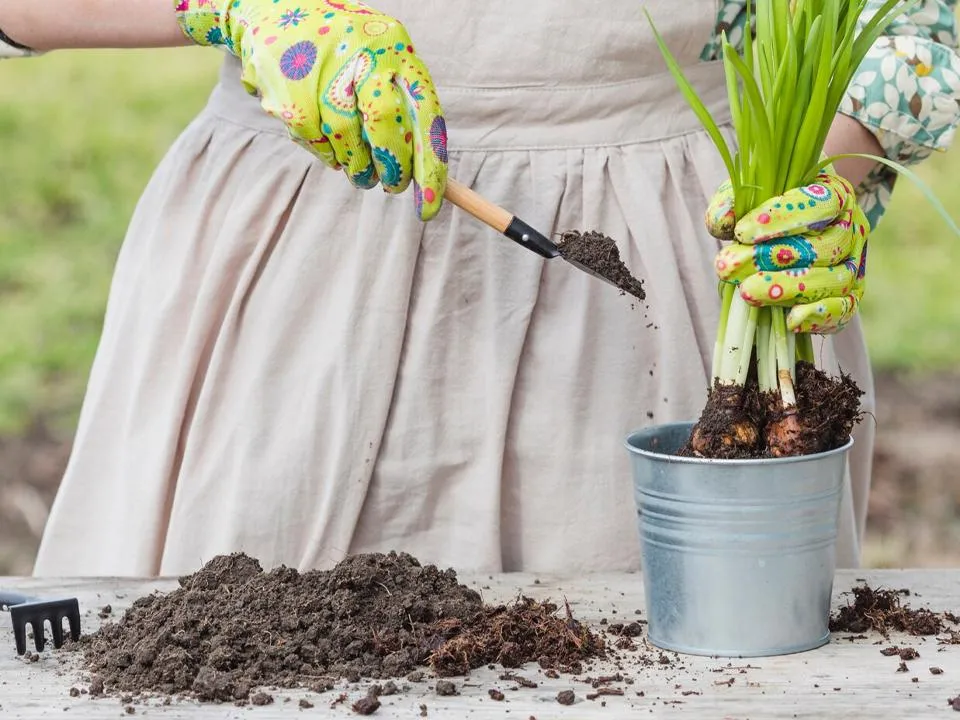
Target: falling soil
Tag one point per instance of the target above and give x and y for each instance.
(744, 423)
(599, 253)
(881, 610)
(231, 627)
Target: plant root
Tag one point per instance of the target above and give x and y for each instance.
(729, 426)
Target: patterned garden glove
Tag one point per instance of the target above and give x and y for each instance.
(346, 82)
(806, 250)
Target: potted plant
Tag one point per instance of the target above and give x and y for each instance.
(738, 512)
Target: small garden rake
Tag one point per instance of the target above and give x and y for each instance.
(36, 612)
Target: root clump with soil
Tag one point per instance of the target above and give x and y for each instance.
(231, 627)
(743, 422)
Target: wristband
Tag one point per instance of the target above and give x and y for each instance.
(10, 48)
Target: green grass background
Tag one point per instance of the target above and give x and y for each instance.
(80, 134)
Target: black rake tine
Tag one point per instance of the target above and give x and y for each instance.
(73, 617)
(20, 637)
(56, 629)
(38, 638)
(37, 614)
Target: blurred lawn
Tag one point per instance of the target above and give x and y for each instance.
(80, 134)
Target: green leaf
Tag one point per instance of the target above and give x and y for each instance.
(706, 119)
(733, 93)
(813, 104)
(765, 150)
(901, 170)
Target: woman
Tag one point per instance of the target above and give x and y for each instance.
(299, 370)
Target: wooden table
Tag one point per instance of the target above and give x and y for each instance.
(845, 679)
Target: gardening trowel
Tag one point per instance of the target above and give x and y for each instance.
(510, 225)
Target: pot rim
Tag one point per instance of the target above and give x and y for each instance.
(749, 462)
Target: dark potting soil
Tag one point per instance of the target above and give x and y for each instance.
(599, 253)
(516, 634)
(730, 424)
(743, 423)
(828, 409)
(231, 627)
(882, 610)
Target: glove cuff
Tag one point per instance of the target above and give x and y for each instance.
(10, 48)
(202, 22)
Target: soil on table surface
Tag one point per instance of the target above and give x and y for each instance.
(599, 253)
(745, 423)
(231, 627)
(882, 610)
(514, 635)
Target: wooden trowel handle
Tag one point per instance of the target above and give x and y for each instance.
(499, 219)
(478, 206)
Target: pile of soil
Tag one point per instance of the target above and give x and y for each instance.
(882, 610)
(231, 627)
(599, 253)
(743, 423)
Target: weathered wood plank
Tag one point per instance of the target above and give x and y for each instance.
(842, 680)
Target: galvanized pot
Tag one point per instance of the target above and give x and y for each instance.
(738, 555)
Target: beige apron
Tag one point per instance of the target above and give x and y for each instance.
(300, 370)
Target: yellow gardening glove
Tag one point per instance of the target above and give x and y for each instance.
(346, 82)
(805, 249)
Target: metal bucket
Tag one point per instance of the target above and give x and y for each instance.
(738, 555)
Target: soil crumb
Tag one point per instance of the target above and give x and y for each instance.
(445, 688)
(882, 610)
(599, 253)
(231, 628)
(366, 705)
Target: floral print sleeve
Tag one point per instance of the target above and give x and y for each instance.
(906, 91)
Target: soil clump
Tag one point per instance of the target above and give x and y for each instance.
(516, 634)
(882, 610)
(599, 253)
(230, 628)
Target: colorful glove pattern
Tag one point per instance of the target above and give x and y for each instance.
(346, 82)
(805, 249)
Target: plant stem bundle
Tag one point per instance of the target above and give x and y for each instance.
(785, 87)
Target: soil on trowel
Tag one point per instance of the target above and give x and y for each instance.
(231, 627)
(599, 253)
(882, 610)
